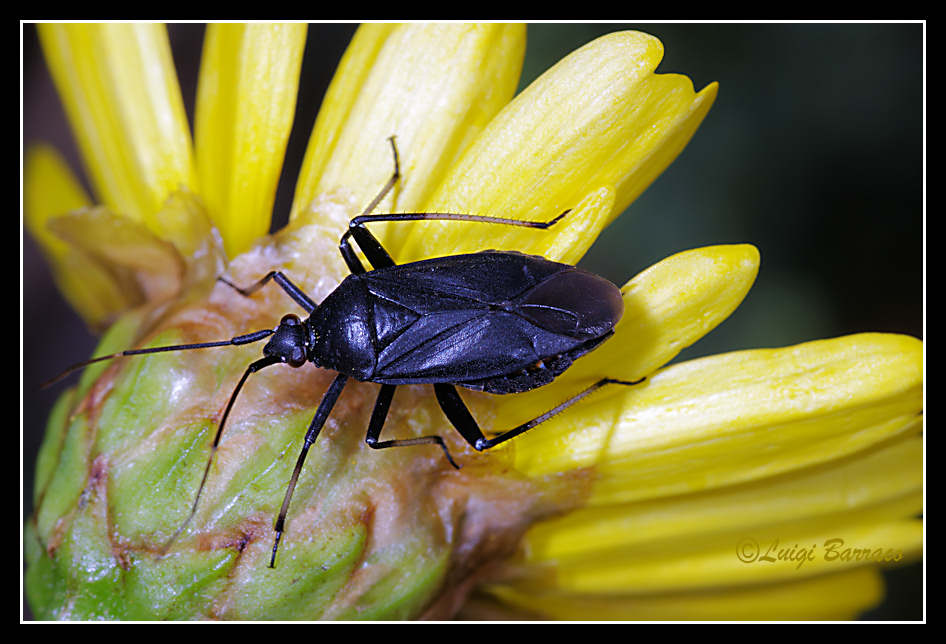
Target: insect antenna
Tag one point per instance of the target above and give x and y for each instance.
(248, 338)
(240, 339)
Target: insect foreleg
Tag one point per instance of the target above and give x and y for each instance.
(253, 368)
(291, 289)
(329, 398)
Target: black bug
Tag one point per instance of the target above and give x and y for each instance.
(495, 321)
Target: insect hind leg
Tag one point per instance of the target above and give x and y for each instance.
(461, 418)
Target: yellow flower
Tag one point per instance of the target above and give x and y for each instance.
(717, 489)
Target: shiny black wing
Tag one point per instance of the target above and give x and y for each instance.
(472, 317)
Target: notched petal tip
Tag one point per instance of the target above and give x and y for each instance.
(599, 117)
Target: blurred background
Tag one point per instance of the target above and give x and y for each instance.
(813, 152)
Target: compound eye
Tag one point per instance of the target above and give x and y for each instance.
(290, 320)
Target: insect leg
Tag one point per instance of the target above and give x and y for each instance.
(291, 289)
(380, 258)
(372, 248)
(460, 417)
(357, 224)
(391, 181)
(365, 240)
(381, 406)
(253, 368)
(351, 259)
(329, 398)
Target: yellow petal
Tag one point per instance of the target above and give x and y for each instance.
(585, 223)
(598, 117)
(51, 190)
(667, 308)
(351, 74)
(92, 290)
(838, 596)
(127, 249)
(433, 86)
(778, 553)
(700, 424)
(246, 98)
(884, 483)
(120, 92)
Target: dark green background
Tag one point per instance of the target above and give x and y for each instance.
(813, 152)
